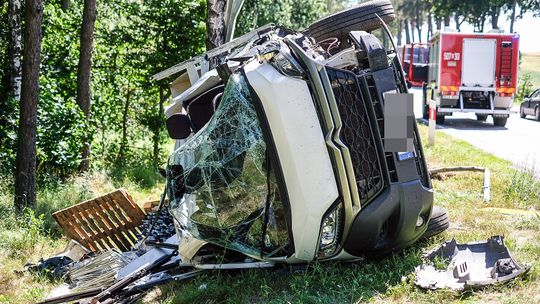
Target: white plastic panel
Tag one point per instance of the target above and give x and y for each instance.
(478, 67)
(302, 152)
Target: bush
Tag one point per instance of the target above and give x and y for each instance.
(525, 86)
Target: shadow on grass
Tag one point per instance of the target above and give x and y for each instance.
(331, 282)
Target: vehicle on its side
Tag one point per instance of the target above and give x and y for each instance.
(415, 58)
(472, 73)
(281, 154)
(531, 105)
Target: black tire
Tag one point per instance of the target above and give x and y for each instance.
(440, 119)
(500, 121)
(425, 112)
(359, 18)
(438, 222)
(522, 112)
(481, 117)
(537, 114)
(425, 108)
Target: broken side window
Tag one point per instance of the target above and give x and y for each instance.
(221, 185)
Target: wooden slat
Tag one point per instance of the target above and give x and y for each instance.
(118, 226)
(105, 222)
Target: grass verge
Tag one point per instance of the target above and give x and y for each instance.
(530, 63)
(377, 281)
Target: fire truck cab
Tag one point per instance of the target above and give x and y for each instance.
(475, 73)
(415, 58)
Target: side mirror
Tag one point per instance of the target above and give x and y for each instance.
(178, 126)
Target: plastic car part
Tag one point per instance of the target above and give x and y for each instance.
(468, 266)
(178, 126)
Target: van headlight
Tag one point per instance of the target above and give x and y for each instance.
(331, 229)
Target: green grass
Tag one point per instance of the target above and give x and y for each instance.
(36, 235)
(376, 281)
(391, 279)
(530, 63)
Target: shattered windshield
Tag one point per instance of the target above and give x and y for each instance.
(221, 185)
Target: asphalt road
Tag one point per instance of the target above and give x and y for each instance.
(518, 141)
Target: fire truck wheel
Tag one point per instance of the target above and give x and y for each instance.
(440, 119)
(481, 117)
(537, 114)
(500, 121)
(359, 18)
(438, 222)
(522, 112)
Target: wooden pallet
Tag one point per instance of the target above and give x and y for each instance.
(105, 222)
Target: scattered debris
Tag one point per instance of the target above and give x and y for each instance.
(508, 211)
(53, 267)
(97, 271)
(468, 266)
(487, 179)
(103, 223)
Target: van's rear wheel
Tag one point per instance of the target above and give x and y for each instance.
(500, 121)
(359, 18)
(438, 222)
(481, 117)
(440, 119)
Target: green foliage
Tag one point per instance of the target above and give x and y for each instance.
(29, 230)
(525, 86)
(296, 15)
(133, 40)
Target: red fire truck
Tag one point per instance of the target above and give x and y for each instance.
(474, 73)
(415, 63)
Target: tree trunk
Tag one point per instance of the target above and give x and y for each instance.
(446, 21)
(215, 23)
(430, 26)
(25, 171)
(123, 142)
(513, 16)
(458, 24)
(83, 72)
(15, 47)
(407, 33)
(495, 18)
(400, 32)
(412, 31)
(161, 113)
(418, 21)
(64, 4)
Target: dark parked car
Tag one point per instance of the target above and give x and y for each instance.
(531, 105)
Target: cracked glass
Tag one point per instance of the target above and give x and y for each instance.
(221, 184)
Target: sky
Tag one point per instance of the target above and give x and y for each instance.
(528, 29)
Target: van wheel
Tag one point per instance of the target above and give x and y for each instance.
(425, 112)
(522, 112)
(438, 222)
(537, 114)
(440, 119)
(500, 121)
(359, 18)
(481, 117)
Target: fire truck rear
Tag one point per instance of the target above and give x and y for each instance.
(474, 73)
